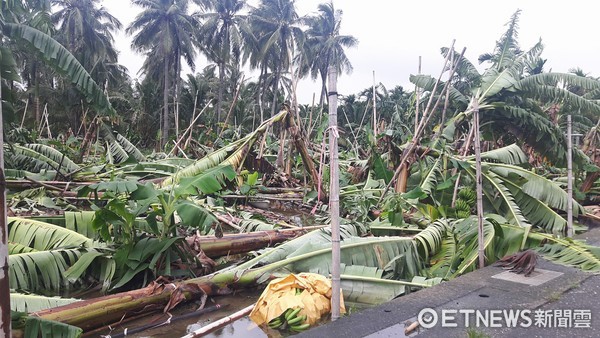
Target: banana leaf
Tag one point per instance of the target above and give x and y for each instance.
(43, 236)
(232, 154)
(32, 303)
(41, 270)
(38, 157)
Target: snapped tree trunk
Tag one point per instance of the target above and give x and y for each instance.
(300, 144)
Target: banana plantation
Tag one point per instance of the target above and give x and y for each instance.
(124, 199)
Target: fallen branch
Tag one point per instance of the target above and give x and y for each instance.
(220, 323)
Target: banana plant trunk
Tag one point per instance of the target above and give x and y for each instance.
(232, 244)
(300, 144)
(4, 284)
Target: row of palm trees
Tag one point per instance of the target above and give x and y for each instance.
(271, 39)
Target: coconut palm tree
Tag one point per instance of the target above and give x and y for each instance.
(276, 27)
(221, 37)
(165, 32)
(86, 29)
(36, 14)
(324, 45)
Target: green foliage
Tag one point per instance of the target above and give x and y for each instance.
(62, 60)
(38, 327)
(37, 157)
(32, 303)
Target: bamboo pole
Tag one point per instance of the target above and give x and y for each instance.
(334, 194)
(447, 94)
(408, 151)
(220, 323)
(569, 178)
(190, 127)
(4, 283)
(24, 112)
(235, 98)
(374, 109)
(418, 98)
(478, 185)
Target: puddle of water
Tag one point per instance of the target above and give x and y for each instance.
(241, 328)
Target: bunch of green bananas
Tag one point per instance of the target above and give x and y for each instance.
(464, 203)
(290, 320)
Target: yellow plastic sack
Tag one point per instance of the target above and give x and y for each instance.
(280, 295)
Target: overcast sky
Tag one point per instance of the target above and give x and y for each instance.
(393, 34)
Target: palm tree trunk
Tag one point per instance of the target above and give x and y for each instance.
(4, 285)
(165, 123)
(260, 92)
(275, 89)
(177, 90)
(323, 88)
(478, 185)
(334, 195)
(221, 87)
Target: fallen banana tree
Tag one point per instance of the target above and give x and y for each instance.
(311, 250)
(388, 264)
(232, 244)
